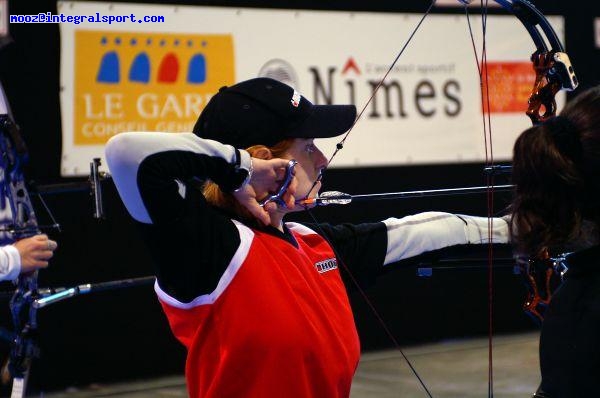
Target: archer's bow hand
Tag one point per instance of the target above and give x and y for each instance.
(35, 252)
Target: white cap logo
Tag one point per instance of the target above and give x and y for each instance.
(296, 99)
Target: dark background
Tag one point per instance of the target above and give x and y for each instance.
(122, 334)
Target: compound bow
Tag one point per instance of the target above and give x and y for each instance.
(554, 72)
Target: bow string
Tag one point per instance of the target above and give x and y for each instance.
(554, 73)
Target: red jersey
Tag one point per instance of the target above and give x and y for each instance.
(289, 299)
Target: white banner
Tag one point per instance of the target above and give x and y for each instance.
(158, 76)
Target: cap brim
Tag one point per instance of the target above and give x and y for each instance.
(325, 121)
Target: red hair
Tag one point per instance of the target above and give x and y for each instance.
(225, 200)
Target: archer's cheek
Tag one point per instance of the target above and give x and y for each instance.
(314, 191)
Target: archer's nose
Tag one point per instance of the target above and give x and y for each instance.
(320, 160)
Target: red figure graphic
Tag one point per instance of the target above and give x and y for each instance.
(169, 69)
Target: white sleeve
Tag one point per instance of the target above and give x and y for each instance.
(10, 263)
(413, 235)
(126, 151)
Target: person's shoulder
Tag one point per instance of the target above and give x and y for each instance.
(301, 229)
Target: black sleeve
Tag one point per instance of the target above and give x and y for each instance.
(164, 179)
(156, 175)
(191, 242)
(361, 247)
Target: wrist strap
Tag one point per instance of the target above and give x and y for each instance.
(238, 168)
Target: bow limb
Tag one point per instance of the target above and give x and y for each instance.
(551, 63)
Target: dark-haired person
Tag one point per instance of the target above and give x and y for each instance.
(556, 210)
(259, 303)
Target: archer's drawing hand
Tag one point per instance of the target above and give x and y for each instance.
(267, 176)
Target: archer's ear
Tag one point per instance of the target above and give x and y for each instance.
(262, 152)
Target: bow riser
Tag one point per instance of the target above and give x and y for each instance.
(24, 224)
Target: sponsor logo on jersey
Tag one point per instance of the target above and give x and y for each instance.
(326, 265)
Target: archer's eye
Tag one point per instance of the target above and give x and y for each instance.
(310, 148)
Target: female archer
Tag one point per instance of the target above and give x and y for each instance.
(259, 303)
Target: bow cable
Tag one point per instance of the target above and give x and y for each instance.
(339, 146)
(489, 162)
(553, 73)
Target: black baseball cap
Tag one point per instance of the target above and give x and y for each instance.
(264, 111)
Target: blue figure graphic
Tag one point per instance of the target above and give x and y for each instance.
(140, 69)
(197, 69)
(109, 68)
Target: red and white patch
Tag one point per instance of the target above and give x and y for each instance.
(296, 99)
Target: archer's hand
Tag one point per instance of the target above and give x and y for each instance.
(35, 252)
(267, 176)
